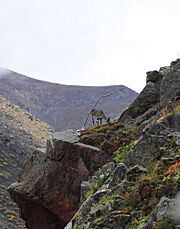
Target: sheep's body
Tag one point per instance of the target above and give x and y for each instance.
(99, 115)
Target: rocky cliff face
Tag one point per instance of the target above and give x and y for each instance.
(20, 134)
(61, 106)
(135, 189)
(140, 190)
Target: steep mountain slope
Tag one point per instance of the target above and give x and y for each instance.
(20, 134)
(61, 106)
(137, 189)
(140, 188)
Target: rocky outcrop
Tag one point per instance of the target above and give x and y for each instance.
(170, 86)
(143, 202)
(149, 97)
(161, 89)
(154, 137)
(50, 194)
(139, 192)
(103, 209)
(161, 213)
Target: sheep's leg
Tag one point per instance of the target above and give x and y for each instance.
(92, 120)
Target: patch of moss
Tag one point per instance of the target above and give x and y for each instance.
(99, 219)
(176, 109)
(121, 153)
(126, 131)
(2, 175)
(137, 221)
(95, 185)
(109, 137)
(107, 198)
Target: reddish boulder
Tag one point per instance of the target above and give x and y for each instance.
(50, 195)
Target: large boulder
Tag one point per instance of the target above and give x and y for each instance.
(149, 97)
(161, 90)
(50, 194)
(170, 86)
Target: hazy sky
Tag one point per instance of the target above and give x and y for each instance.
(89, 42)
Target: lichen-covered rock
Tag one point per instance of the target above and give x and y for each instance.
(165, 207)
(162, 216)
(117, 176)
(36, 158)
(170, 86)
(153, 76)
(69, 136)
(59, 143)
(162, 88)
(97, 180)
(107, 169)
(149, 97)
(136, 171)
(153, 138)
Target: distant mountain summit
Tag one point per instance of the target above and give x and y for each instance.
(62, 106)
(4, 71)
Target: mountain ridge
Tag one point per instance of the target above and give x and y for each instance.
(5, 71)
(62, 106)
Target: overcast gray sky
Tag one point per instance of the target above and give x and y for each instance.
(89, 42)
